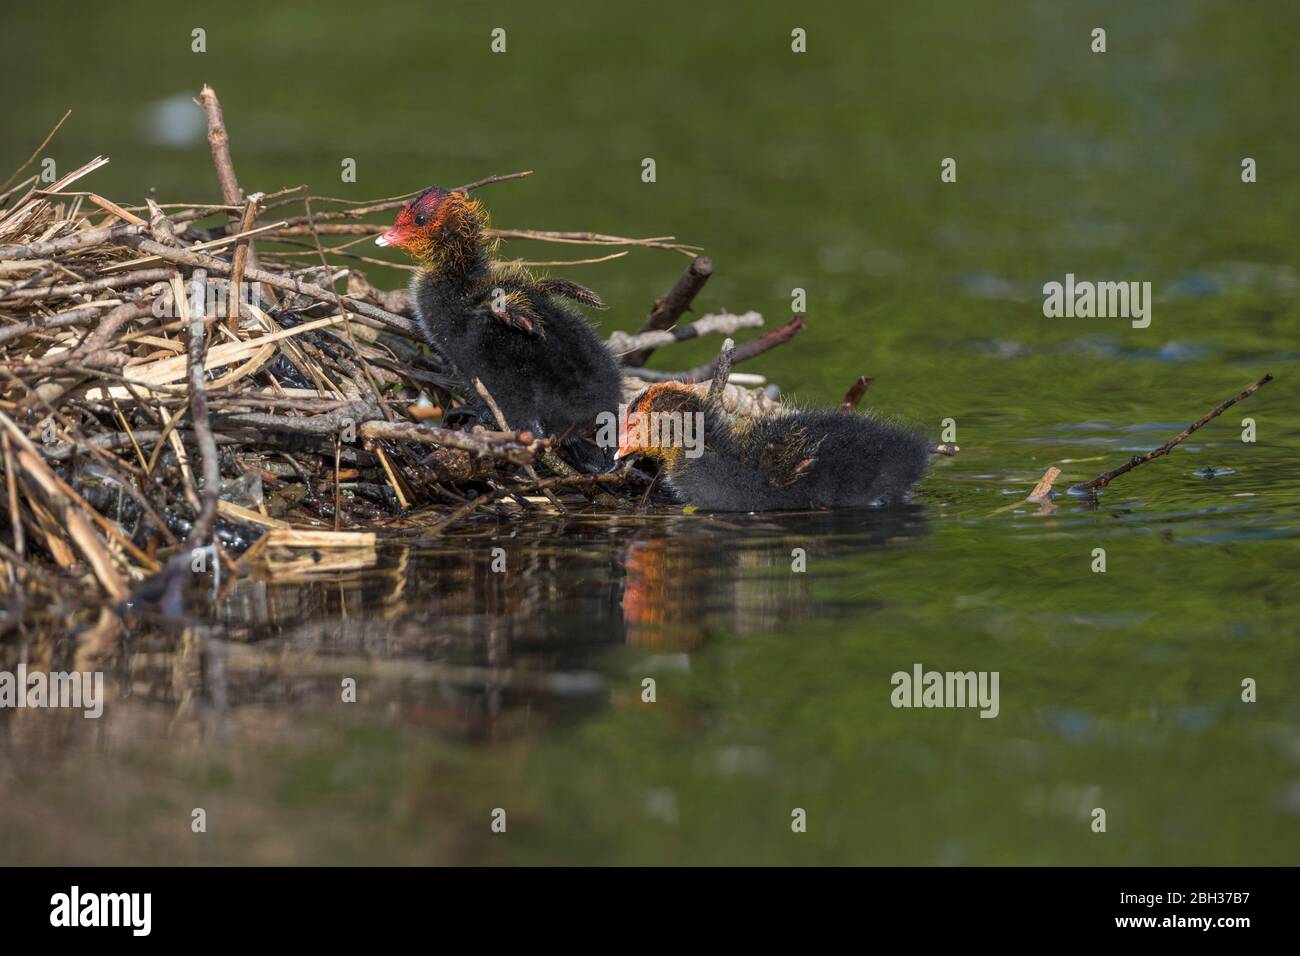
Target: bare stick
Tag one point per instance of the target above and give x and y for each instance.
(239, 262)
(295, 226)
(185, 257)
(78, 240)
(504, 446)
(37, 152)
(853, 397)
(722, 371)
(70, 508)
(369, 422)
(1044, 486)
(489, 180)
(721, 323)
(548, 456)
(211, 489)
(1101, 481)
(491, 404)
(669, 308)
(589, 239)
(62, 320)
(365, 207)
(11, 485)
(219, 142)
(505, 427)
(138, 277)
(746, 350)
(1041, 495)
(546, 484)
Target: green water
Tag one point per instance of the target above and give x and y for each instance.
(1119, 690)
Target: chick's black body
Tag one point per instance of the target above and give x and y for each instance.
(796, 460)
(538, 357)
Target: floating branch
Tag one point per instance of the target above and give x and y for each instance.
(1043, 490)
(1102, 480)
(1041, 495)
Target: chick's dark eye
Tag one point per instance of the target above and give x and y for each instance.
(421, 219)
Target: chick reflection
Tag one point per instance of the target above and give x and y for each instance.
(744, 574)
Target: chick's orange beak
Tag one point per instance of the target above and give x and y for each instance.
(627, 438)
(393, 237)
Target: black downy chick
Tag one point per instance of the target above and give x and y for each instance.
(521, 335)
(793, 460)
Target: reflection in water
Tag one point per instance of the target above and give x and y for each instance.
(742, 575)
(454, 645)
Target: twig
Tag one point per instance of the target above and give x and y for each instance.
(491, 404)
(669, 308)
(138, 277)
(588, 238)
(11, 483)
(365, 207)
(219, 142)
(853, 397)
(60, 320)
(1041, 495)
(211, 490)
(45, 142)
(84, 239)
(722, 371)
(483, 500)
(239, 262)
(1044, 487)
(1102, 480)
(505, 447)
(722, 323)
(70, 507)
(370, 424)
(505, 427)
(746, 350)
(489, 180)
(198, 260)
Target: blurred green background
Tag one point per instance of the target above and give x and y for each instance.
(817, 171)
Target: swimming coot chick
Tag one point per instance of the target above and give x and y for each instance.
(787, 460)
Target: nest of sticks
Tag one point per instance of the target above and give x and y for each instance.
(184, 382)
(181, 378)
